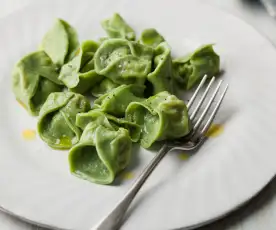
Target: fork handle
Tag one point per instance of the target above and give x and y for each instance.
(114, 219)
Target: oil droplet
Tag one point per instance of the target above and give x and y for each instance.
(66, 141)
(127, 175)
(22, 104)
(29, 134)
(183, 156)
(215, 130)
(77, 52)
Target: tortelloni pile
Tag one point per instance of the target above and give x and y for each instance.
(134, 82)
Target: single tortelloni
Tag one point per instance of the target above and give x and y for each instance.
(123, 61)
(161, 76)
(161, 117)
(79, 74)
(103, 87)
(102, 152)
(34, 77)
(116, 27)
(60, 42)
(116, 101)
(97, 116)
(57, 119)
(160, 79)
(189, 70)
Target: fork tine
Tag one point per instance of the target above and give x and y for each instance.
(202, 99)
(190, 103)
(211, 118)
(202, 116)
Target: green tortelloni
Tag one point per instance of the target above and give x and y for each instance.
(161, 77)
(101, 153)
(151, 37)
(116, 27)
(60, 42)
(34, 77)
(105, 86)
(57, 119)
(116, 101)
(123, 62)
(161, 117)
(99, 117)
(79, 74)
(190, 69)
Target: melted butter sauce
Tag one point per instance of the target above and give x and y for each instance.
(215, 130)
(183, 156)
(29, 134)
(77, 52)
(127, 176)
(22, 104)
(66, 141)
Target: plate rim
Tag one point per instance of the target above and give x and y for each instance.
(191, 227)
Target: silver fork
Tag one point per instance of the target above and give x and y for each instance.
(191, 142)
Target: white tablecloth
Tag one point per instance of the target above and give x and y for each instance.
(258, 214)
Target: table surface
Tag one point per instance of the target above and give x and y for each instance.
(260, 212)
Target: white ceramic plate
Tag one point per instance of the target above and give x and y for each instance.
(35, 182)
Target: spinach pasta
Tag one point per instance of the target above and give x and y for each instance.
(34, 79)
(98, 98)
(56, 124)
(161, 117)
(102, 152)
